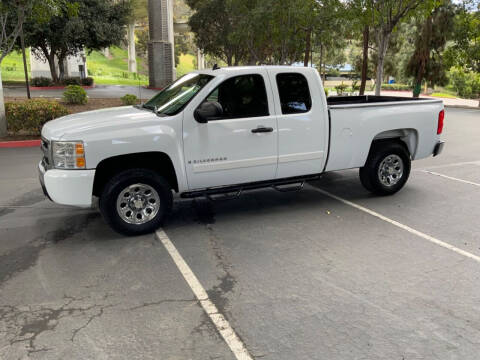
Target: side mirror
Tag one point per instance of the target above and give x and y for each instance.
(208, 110)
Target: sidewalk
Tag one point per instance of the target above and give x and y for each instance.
(98, 92)
(467, 103)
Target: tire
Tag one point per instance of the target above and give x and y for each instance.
(387, 168)
(136, 201)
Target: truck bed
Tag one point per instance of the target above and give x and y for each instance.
(369, 100)
(356, 121)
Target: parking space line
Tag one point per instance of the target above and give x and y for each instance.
(450, 177)
(223, 326)
(450, 165)
(403, 227)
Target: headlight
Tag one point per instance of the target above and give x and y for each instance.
(68, 155)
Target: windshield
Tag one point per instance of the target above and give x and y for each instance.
(172, 99)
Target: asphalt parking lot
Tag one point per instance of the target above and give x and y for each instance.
(331, 272)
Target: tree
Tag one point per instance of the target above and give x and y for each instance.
(465, 49)
(385, 16)
(12, 16)
(426, 61)
(78, 25)
(360, 15)
(139, 13)
(213, 24)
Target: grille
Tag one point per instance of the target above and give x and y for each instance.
(47, 158)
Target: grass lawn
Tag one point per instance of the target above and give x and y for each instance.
(12, 67)
(106, 71)
(443, 95)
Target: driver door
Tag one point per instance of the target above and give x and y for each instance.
(240, 146)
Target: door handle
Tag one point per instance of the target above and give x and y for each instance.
(262, 129)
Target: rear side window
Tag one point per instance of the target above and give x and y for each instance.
(294, 93)
(241, 96)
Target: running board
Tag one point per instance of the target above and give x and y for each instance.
(237, 190)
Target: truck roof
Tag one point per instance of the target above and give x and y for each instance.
(243, 69)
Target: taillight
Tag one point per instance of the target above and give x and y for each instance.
(441, 117)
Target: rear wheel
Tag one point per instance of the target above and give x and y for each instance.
(387, 168)
(136, 201)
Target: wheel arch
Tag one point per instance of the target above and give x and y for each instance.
(156, 161)
(406, 137)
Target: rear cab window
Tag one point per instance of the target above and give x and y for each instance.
(294, 93)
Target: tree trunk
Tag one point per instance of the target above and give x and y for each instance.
(229, 60)
(363, 82)
(3, 119)
(308, 46)
(322, 71)
(382, 51)
(132, 57)
(51, 64)
(61, 68)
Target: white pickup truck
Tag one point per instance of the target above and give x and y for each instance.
(219, 132)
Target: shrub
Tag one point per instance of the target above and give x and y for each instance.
(41, 81)
(333, 72)
(465, 83)
(75, 95)
(29, 116)
(129, 99)
(88, 81)
(341, 88)
(71, 81)
(396, 87)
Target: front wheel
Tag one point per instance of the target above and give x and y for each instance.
(135, 201)
(387, 168)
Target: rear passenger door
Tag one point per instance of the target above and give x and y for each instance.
(302, 122)
(241, 145)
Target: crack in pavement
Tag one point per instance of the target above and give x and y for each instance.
(154, 303)
(26, 324)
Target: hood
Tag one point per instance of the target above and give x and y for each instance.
(73, 127)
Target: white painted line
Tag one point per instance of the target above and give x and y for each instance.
(451, 178)
(223, 326)
(451, 164)
(403, 227)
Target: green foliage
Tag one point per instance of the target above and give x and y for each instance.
(465, 48)
(465, 83)
(396, 87)
(41, 81)
(426, 61)
(129, 99)
(92, 24)
(75, 94)
(71, 81)
(333, 72)
(265, 31)
(29, 116)
(88, 81)
(341, 89)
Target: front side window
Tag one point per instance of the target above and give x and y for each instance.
(241, 96)
(294, 93)
(173, 99)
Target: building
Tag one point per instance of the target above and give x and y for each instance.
(75, 66)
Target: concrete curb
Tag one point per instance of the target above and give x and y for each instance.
(34, 88)
(461, 107)
(20, 144)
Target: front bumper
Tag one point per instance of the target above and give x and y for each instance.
(438, 148)
(67, 187)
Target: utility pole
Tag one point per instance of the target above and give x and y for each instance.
(25, 68)
(161, 60)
